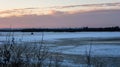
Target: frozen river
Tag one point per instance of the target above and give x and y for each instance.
(58, 35)
(102, 49)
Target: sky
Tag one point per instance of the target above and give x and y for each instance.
(59, 13)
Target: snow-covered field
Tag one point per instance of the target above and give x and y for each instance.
(53, 36)
(102, 49)
(74, 47)
(97, 50)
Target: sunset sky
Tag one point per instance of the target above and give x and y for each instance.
(59, 13)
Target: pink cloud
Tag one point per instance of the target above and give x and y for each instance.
(55, 10)
(100, 18)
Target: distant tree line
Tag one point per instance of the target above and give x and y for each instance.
(83, 29)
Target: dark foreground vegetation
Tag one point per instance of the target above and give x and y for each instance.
(14, 54)
(84, 29)
(24, 54)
